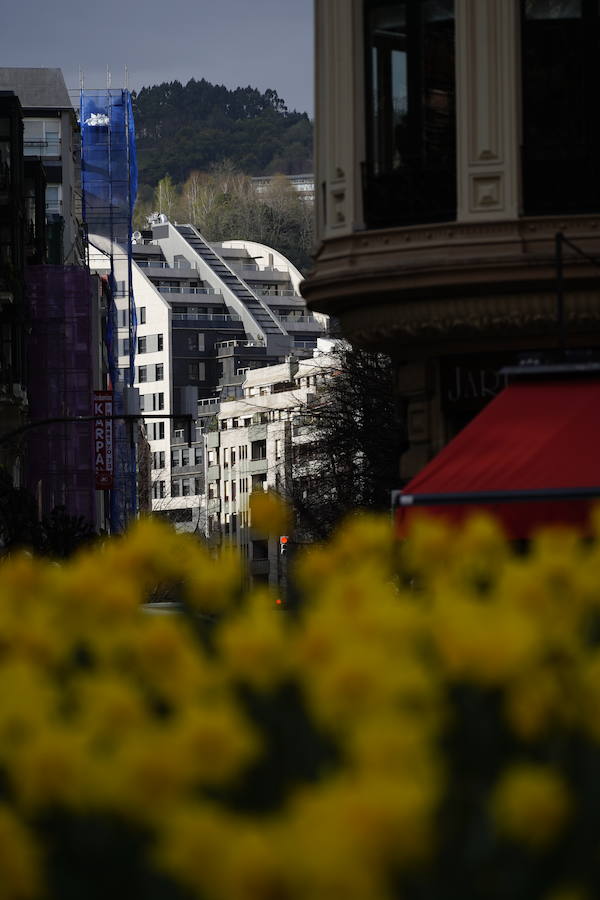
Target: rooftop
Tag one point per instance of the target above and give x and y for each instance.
(36, 88)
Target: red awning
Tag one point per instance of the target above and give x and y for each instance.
(534, 436)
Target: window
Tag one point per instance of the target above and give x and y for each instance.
(233, 456)
(41, 137)
(156, 431)
(192, 342)
(175, 458)
(159, 372)
(158, 459)
(258, 449)
(560, 81)
(233, 490)
(196, 371)
(225, 457)
(142, 315)
(277, 449)
(175, 489)
(158, 490)
(53, 199)
(243, 451)
(141, 345)
(197, 485)
(226, 491)
(159, 342)
(213, 457)
(186, 487)
(185, 456)
(213, 492)
(259, 482)
(243, 485)
(197, 456)
(142, 374)
(411, 166)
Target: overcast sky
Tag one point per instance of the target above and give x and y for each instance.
(264, 43)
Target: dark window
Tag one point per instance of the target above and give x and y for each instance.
(258, 449)
(410, 174)
(561, 133)
(159, 372)
(141, 345)
(159, 342)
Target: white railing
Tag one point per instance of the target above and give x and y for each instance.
(171, 289)
(161, 264)
(309, 321)
(222, 345)
(268, 292)
(206, 317)
(208, 401)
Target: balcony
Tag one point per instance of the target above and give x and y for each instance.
(161, 264)
(213, 473)
(51, 146)
(207, 318)
(172, 289)
(273, 292)
(228, 348)
(302, 323)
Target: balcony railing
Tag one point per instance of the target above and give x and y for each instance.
(47, 147)
(225, 345)
(271, 292)
(308, 323)
(172, 289)
(161, 264)
(205, 317)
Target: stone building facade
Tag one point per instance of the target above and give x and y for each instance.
(455, 140)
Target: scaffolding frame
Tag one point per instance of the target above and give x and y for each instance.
(109, 187)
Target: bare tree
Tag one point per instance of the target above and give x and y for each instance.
(357, 435)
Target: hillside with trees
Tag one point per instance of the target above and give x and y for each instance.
(224, 204)
(185, 128)
(198, 146)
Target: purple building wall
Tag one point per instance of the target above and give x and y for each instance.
(61, 368)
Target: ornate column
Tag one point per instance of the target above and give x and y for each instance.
(487, 109)
(339, 116)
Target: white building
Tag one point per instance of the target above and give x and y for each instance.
(51, 134)
(207, 315)
(253, 447)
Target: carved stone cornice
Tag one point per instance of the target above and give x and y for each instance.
(459, 279)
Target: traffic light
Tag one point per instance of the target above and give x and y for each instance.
(283, 543)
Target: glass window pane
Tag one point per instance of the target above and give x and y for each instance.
(553, 9)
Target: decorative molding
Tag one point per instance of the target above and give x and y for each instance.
(487, 109)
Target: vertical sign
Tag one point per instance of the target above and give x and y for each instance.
(103, 440)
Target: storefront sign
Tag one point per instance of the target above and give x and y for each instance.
(103, 440)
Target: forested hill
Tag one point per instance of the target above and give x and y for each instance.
(186, 128)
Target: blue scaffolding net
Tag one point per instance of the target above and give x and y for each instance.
(109, 187)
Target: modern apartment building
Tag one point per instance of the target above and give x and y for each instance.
(50, 312)
(260, 441)
(51, 134)
(456, 141)
(207, 315)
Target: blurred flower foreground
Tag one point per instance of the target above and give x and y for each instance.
(426, 726)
